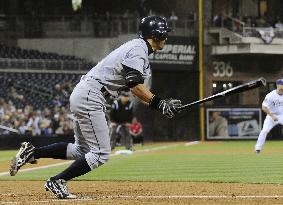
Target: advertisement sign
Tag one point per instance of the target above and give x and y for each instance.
(179, 53)
(233, 123)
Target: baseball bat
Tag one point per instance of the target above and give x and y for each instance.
(238, 89)
(9, 129)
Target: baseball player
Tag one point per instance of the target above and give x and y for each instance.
(273, 107)
(125, 68)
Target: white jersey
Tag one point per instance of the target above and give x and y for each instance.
(274, 102)
(109, 71)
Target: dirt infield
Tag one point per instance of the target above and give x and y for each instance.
(100, 192)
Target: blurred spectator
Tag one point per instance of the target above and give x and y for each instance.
(173, 16)
(135, 130)
(57, 90)
(192, 16)
(2, 107)
(151, 12)
(261, 22)
(142, 9)
(253, 22)
(11, 106)
(126, 14)
(264, 21)
(67, 89)
(266, 34)
(96, 25)
(248, 21)
(57, 101)
(126, 21)
(13, 93)
(22, 128)
(37, 121)
(21, 115)
(28, 109)
(278, 24)
(217, 20)
(56, 118)
(107, 24)
(64, 128)
(61, 94)
(34, 123)
(5, 120)
(46, 126)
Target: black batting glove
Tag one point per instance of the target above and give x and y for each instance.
(168, 107)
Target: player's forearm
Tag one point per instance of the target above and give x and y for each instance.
(142, 93)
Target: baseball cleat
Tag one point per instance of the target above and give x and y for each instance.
(24, 155)
(257, 151)
(59, 188)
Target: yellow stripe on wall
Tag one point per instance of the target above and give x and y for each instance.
(201, 110)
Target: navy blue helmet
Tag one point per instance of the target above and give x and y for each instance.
(154, 27)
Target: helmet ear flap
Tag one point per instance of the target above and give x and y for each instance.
(160, 36)
(163, 36)
(155, 34)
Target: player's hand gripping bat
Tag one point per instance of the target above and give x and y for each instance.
(238, 89)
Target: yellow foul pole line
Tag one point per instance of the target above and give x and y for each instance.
(201, 110)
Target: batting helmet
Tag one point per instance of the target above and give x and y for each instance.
(154, 27)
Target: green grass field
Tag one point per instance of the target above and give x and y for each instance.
(210, 162)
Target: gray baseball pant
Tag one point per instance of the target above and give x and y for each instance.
(91, 130)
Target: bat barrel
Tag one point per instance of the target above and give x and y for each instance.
(238, 89)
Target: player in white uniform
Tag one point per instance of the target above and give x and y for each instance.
(273, 107)
(123, 69)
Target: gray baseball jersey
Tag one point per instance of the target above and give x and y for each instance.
(109, 71)
(87, 102)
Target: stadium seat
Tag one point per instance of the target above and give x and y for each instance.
(37, 88)
(46, 60)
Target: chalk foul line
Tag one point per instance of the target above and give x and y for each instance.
(113, 154)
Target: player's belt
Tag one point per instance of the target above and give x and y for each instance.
(97, 84)
(105, 93)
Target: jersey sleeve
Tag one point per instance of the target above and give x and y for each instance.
(135, 59)
(267, 102)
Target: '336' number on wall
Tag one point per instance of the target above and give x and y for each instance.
(222, 69)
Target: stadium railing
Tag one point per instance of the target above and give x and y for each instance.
(84, 26)
(240, 27)
(7, 63)
(253, 31)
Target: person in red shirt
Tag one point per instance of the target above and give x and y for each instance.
(135, 130)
